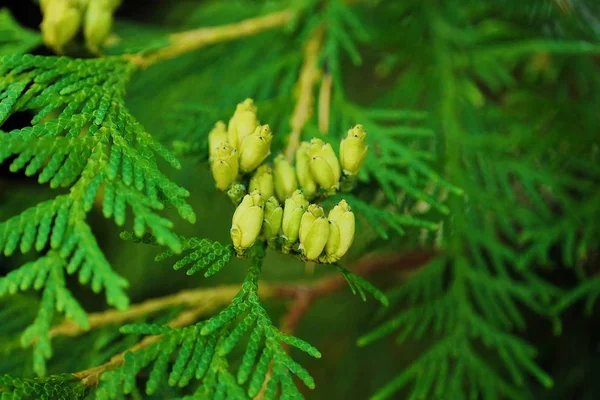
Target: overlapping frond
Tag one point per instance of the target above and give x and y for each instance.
(59, 387)
(200, 352)
(83, 138)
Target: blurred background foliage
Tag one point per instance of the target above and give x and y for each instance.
(511, 93)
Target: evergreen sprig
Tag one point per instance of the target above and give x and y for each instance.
(55, 387)
(199, 352)
(83, 138)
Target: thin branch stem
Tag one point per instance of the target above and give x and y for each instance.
(205, 298)
(325, 102)
(187, 41)
(309, 75)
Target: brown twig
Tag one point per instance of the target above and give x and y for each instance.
(309, 75)
(206, 299)
(187, 41)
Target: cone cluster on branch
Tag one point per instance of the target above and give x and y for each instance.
(274, 200)
(63, 19)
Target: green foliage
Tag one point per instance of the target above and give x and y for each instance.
(360, 285)
(206, 253)
(55, 387)
(199, 351)
(520, 195)
(474, 311)
(14, 39)
(483, 131)
(82, 138)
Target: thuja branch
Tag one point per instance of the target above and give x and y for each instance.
(219, 296)
(184, 42)
(92, 376)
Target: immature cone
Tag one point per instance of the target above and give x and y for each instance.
(255, 148)
(353, 150)
(62, 19)
(216, 137)
(98, 21)
(273, 218)
(262, 180)
(305, 178)
(314, 231)
(295, 205)
(284, 177)
(324, 165)
(224, 166)
(247, 222)
(341, 232)
(242, 123)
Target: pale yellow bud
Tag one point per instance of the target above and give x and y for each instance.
(284, 177)
(324, 165)
(62, 19)
(341, 232)
(97, 24)
(273, 218)
(255, 148)
(247, 222)
(242, 123)
(216, 138)
(224, 166)
(262, 180)
(295, 205)
(353, 149)
(314, 231)
(305, 178)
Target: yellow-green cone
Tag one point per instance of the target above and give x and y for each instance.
(341, 232)
(247, 222)
(61, 22)
(242, 123)
(353, 150)
(98, 21)
(314, 232)
(262, 180)
(224, 166)
(255, 148)
(216, 138)
(273, 218)
(284, 177)
(324, 165)
(295, 205)
(305, 178)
